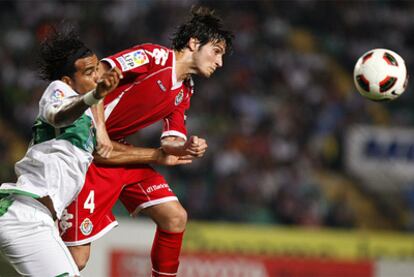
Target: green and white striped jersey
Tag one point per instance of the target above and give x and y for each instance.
(56, 162)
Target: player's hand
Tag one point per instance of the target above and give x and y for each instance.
(108, 82)
(177, 146)
(171, 160)
(196, 146)
(104, 145)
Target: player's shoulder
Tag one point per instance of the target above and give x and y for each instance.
(59, 90)
(151, 47)
(157, 53)
(59, 84)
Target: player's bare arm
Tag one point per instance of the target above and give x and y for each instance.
(108, 82)
(194, 146)
(127, 154)
(73, 109)
(104, 144)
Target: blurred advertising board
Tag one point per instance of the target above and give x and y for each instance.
(382, 156)
(136, 264)
(226, 250)
(298, 242)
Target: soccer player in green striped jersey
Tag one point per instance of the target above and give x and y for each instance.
(52, 172)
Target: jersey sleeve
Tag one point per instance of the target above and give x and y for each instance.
(55, 95)
(131, 61)
(174, 123)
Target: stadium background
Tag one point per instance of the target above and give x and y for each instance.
(301, 171)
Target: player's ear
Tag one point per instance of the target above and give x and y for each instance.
(67, 80)
(193, 44)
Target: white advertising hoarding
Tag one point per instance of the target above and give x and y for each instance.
(382, 156)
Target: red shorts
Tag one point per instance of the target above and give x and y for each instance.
(138, 187)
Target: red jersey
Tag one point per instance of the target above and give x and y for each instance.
(148, 93)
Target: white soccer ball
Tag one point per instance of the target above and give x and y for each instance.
(380, 75)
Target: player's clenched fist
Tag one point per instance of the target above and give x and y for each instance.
(109, 81)
(196, 146)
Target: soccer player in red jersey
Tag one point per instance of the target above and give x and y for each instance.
(157, 85)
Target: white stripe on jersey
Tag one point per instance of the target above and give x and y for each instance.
(173, 133)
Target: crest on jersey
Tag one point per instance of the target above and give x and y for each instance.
(58, 95)
(133, 60)
(179, 97)
(86, 227)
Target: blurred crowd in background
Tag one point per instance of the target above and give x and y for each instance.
(274, 116)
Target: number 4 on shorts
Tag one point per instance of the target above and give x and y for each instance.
(90, 202)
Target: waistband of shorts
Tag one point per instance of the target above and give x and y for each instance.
(30, 201)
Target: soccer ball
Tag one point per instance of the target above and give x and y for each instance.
(380, 75)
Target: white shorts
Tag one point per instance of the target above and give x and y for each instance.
(30, 240)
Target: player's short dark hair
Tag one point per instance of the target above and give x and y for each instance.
(59, 52)
(205, 26)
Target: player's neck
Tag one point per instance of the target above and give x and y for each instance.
(183, 62)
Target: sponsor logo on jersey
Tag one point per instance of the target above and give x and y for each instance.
(179, 97)
(160, 55)
(86, 227)
(58, 95)
(162, 87)
(64, 223)
(157, 187)
(133, 60)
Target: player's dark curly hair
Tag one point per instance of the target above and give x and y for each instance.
(205, 26)
(59, 52)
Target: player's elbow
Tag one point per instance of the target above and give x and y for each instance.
(56, 118)
(58, 122)
(63, 119)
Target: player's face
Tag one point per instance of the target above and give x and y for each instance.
(86, 76)
(209, 57)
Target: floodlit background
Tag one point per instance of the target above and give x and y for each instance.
(303, 176)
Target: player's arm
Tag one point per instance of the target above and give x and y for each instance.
(103, 67)
(178, 146)
(174, 136)
(127, 154)
(72, 108)
(104, 144)
(126, 63)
